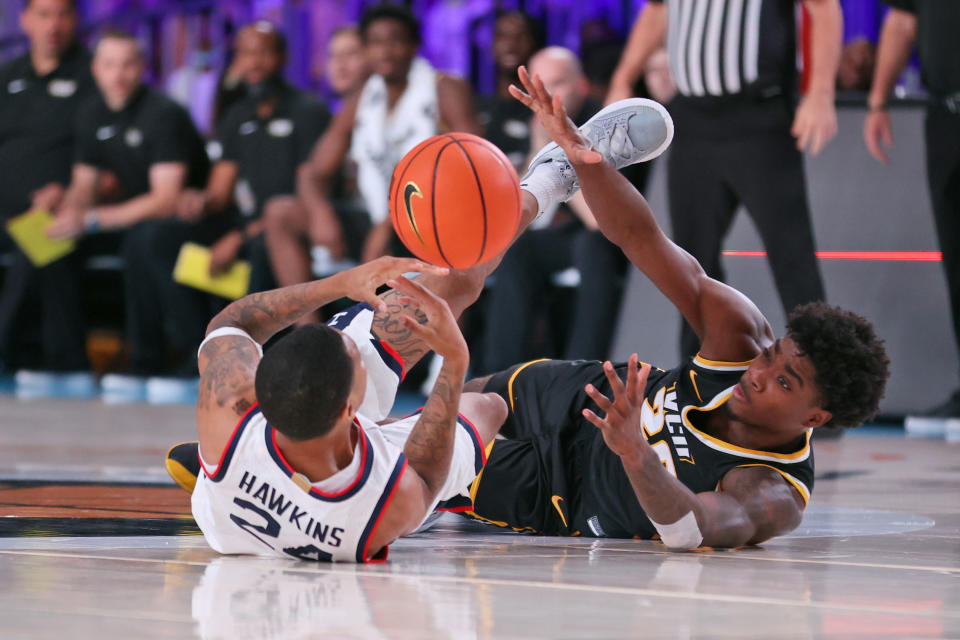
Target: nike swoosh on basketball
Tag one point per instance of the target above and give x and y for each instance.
(409, 191)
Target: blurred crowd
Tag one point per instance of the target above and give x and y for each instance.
(226, 152)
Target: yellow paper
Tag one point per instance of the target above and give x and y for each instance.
(29, 230)
(193, 270)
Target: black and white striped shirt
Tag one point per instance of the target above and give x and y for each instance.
(730, 47)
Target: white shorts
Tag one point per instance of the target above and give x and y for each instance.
(468, 459)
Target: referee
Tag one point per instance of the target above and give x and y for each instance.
(39, 95)
(935, 26)
(739, 138)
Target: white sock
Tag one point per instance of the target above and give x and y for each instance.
(546, 184)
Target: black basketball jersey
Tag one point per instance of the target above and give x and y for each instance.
(676, 402)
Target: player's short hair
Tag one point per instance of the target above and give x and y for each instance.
(533, 26)
(73, 4)
(388, 11)
(850, 363)
(267, 28)
(349, 28)
(115, 33)
(303, 381)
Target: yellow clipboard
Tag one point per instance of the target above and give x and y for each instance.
(193, 270)
(29, 231)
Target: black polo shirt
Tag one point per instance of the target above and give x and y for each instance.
(938, 28)
(149, 130)
(506, 123)
(268, 151)
(37, 125)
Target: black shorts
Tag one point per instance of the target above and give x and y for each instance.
(532, 480)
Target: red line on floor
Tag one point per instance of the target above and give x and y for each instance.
(888, 256)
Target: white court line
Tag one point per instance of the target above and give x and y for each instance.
(734, 555)
(535, 584)
(131, 614)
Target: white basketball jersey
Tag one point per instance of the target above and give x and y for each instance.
(255, 503)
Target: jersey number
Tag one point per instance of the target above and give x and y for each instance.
(271, 529)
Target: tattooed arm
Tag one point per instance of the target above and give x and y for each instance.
(228, 364)
(459, 289)
(429, 447)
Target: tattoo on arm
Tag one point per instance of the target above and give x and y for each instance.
(430, 444)
(264, 314)
(388, 328)
(228, 376)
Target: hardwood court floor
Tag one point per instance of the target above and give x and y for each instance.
(95, 543)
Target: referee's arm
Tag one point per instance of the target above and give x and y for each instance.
(815, 123)
(648, 35)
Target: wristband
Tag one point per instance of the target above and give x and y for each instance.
(682, 534)
(229, 331)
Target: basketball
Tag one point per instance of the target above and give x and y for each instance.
(455, 200)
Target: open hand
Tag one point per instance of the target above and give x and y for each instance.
(191, 204)
(432, 321)
(815, 123)
(47, 197)
(67, 223)
(551, 114)
(878, 135)
(620, 425)
(224, 252)
(361, 283)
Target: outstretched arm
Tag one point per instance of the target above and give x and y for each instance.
(729, 325)
(754, 505)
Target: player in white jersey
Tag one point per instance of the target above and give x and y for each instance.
(305, 473)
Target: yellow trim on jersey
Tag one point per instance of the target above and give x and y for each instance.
(799, 486)
(487, 520)
(514, 375)
(720, 365)
(720, 445)
(475, 485)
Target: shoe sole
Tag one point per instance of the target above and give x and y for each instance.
(630, 104)
(179, 473)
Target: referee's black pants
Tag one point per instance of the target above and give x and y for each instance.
(943, 176)
(729, 152)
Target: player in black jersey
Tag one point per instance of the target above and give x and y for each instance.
(715, 452)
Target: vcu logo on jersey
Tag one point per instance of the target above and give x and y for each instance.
(664, 412)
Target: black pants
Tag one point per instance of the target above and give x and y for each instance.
(741, 152)
(60, 342)
(943, 175)
(524, 276)
(165, 321)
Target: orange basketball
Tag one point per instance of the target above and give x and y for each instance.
(455, 200)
